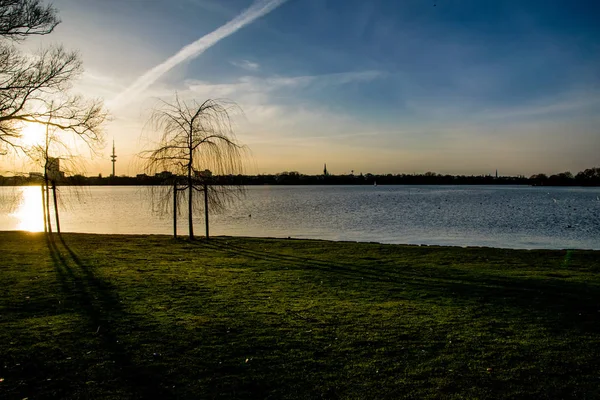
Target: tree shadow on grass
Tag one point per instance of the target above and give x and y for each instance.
(557, 303)
(292, 356)
(98, 303)
(523, 324)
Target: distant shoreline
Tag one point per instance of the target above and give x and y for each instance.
(589, 177)
(127, 182)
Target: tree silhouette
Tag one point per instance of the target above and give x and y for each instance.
(34, 88)
(196, 142)
(21, 18)
(57, 155)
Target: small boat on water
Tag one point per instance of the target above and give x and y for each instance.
(375, 183)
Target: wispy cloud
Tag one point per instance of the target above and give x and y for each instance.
(569, 104)
(250, 84)
(247, 65)
(276, 109)
(456, 108)
(193, 50)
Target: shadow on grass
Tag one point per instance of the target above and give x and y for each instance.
(329, 328)
(556, 303)
(98, 303)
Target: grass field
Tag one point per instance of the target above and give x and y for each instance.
(101, 316)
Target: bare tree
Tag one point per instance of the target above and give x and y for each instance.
(57, 153)
(34, 88)
(20, 18)
(196, 142)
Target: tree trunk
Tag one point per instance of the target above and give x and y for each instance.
(206, 208)
(190, 208)
(190, 181)
(44, 209)
(55, 207)
(48, 206)
(175, 211)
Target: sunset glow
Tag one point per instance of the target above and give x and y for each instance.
(461, 88)
(33, 134)
(29, 212)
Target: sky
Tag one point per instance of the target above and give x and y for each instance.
(381, 86)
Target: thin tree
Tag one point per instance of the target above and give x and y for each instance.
(57, 154)
(196, 142)
(34, 89)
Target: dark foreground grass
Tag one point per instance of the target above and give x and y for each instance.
(96, 316)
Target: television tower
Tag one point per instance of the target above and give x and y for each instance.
(113, 158)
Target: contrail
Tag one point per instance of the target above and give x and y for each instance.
(258, 9)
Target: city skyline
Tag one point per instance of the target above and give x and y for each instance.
(459, 88)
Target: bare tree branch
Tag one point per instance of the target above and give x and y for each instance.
(35, 88)
(21, 18)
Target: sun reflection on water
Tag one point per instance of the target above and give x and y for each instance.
(29, 211)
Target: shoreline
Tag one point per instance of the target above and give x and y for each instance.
(511, 184)
(273, 238)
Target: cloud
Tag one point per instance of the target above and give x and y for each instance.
(276, 104)
(193, 50)
(249, 84)
(247, 65)
(572, 103)
(275, 110)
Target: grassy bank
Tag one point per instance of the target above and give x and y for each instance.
(98, 316)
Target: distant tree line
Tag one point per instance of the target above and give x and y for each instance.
(588, 177)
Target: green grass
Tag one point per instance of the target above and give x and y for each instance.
(102, 316)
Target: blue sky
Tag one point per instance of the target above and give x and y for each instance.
(453, 86)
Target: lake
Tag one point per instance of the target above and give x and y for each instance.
(497, 216)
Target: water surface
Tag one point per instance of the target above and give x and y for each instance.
(498, 216)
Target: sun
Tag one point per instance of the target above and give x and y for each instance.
(33, 134)
(29, 213)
